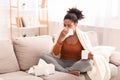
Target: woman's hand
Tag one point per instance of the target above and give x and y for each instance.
(90, 56)
(63, 34)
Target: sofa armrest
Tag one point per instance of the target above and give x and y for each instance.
(115, 58)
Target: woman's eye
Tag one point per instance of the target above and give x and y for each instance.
(68, 26)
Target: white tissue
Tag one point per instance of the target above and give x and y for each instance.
(69, 33)
(31, 70)
(41, 62)
(42, 68)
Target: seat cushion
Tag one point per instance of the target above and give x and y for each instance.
(28, 49)
(19, 75)
(63, 76)
(66, 76)
(8, 61)
(114, 71)
(118, 75)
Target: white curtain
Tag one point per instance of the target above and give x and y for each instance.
(102, 13)
(108, 13)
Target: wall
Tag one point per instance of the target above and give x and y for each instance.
(4, 19)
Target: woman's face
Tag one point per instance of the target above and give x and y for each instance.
(69, 24)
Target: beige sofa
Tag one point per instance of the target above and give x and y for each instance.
(17, 56)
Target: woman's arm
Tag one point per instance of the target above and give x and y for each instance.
(57, 48)
(58, 45)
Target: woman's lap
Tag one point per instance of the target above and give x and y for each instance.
(67, 65)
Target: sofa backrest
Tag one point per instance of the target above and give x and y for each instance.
(93, 38)
(28, 49)
(8, 61)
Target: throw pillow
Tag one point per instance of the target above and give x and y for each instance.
(115, 58)
(28, 49)
(105, 51)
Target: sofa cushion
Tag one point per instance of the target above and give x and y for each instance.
(19, 75)
(118, 75)
(105, 51)
(8, 61)
(115, 58)
(93, 37)
(114, 71)
(28, 49)
(63, 76)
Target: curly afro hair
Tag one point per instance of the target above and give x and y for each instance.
(74, 14)
(77, 12)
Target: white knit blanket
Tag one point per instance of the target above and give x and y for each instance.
(101, 69)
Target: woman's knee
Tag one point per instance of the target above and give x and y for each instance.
(87, 66)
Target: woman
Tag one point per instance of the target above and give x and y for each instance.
(69, 48)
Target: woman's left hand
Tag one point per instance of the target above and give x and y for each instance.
(90, 56)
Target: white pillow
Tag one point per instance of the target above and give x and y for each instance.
(105, 51)
(115, 58)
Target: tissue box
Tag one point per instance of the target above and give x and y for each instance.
(44, 70)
